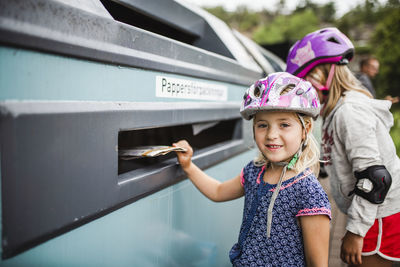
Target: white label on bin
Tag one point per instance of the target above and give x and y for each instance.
(179, 88)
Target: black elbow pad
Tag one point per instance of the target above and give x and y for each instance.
(380, 179)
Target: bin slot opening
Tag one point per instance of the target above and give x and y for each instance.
(148, 22)
(199, 136)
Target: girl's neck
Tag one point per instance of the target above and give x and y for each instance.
(273, 173)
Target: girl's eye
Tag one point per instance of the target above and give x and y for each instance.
(262, 125)
(285, 125)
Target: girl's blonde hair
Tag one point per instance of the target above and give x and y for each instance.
(309, 158)
(343, 80)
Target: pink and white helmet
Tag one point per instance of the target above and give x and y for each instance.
(265, 94)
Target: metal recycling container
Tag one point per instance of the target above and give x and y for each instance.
(81, 81)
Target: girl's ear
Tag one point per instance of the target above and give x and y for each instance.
(307, 130)
(308, 127)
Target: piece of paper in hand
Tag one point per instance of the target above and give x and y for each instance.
(147, 151)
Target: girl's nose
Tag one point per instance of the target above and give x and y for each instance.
(271, 134)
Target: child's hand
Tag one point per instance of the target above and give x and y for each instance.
(351, 248)
(184, 158)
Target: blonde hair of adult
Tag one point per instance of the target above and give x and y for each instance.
(343, 80)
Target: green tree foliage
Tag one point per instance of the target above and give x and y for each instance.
(244, 19)
(271, 33)
(355, 22)
(395, 130)
(325, 13)
(302, 23)
(269, 27)
(386, 46)
(287, 27)
(220, 13)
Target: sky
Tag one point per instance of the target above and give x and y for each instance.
(342, 6)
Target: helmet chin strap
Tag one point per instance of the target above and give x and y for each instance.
(324, 88)
(286, 166)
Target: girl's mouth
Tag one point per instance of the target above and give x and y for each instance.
(273, 147)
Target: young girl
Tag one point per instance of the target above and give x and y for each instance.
(360, 156)
(286, 212)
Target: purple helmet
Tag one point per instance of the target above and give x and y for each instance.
(327, 45)
(265, 94)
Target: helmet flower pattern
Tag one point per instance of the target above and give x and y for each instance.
(303, 55)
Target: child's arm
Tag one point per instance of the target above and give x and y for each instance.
(315, 230)
(211, 188)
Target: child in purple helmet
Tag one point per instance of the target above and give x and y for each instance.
(286, 212)
(359, 154)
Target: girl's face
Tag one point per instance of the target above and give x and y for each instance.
(278, 135)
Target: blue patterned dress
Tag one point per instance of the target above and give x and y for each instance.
(301, 195)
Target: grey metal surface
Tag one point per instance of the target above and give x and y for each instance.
(59, 161)
(56, 27)
(169, 12)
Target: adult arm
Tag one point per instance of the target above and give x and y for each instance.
(356, 129)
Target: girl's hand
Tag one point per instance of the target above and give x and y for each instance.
(351, 248)
(184, 158)
(210, 187)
